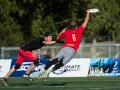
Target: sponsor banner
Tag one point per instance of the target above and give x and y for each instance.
(24, 67)
(77, 67)
(104, 67)
(105, 74)
(4, 67)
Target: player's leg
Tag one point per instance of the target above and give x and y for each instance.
(49, 64)
(52, 62)
(4, 79)
(32, 66)
(68, 55)
(57, 66)
(31, 57)
(12, 70)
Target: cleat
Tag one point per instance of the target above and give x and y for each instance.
(42, 71)
(27, 77)
(4, 81)
(48, 71)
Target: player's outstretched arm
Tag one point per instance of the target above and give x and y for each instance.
(61, 32)
(49, 42)
(86, 19)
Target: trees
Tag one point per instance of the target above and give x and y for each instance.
(23, 20)
(106, 22)
(9, 29)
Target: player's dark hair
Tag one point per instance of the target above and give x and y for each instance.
(47, 34)
(72, 24)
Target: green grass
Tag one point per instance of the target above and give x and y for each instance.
(81, 83)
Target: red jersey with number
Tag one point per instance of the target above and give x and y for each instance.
(72, 37)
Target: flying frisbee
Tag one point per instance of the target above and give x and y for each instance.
(94, 10)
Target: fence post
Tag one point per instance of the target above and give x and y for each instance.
(109, 47)
(93, 49)
(39, 53)
(117, 52)
(109, 51)
(2, 52)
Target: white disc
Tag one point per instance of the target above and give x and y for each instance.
(94, 10)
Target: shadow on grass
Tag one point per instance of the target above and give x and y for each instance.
(21, 84)
(57, 84)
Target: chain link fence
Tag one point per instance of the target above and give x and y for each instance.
(84, 51)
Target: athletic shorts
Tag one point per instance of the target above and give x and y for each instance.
(66, 53)
(28, 55)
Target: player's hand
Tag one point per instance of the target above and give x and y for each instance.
(54, 42)
(87, 11)
(59, 41)
(49, 42)
(64, 30)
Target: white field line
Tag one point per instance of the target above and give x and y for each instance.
(58, 80)
(89, 87)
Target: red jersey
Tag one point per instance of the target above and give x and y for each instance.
(72, 37)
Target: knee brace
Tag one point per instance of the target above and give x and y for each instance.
(36, 62)
(17, 66)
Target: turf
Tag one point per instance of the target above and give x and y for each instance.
(81, 83)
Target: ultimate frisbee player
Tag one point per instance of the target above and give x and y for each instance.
(25, 52)
(72, 36)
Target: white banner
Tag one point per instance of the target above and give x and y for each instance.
(77, 67)
(4, 66)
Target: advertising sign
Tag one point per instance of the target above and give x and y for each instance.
(104, 67)
(26, 64)
(77, 67)
(4, 67)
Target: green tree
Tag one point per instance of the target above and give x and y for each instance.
(23, 20)
(106, 22)
(9, 29)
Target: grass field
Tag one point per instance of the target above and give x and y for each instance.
(81, 83)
